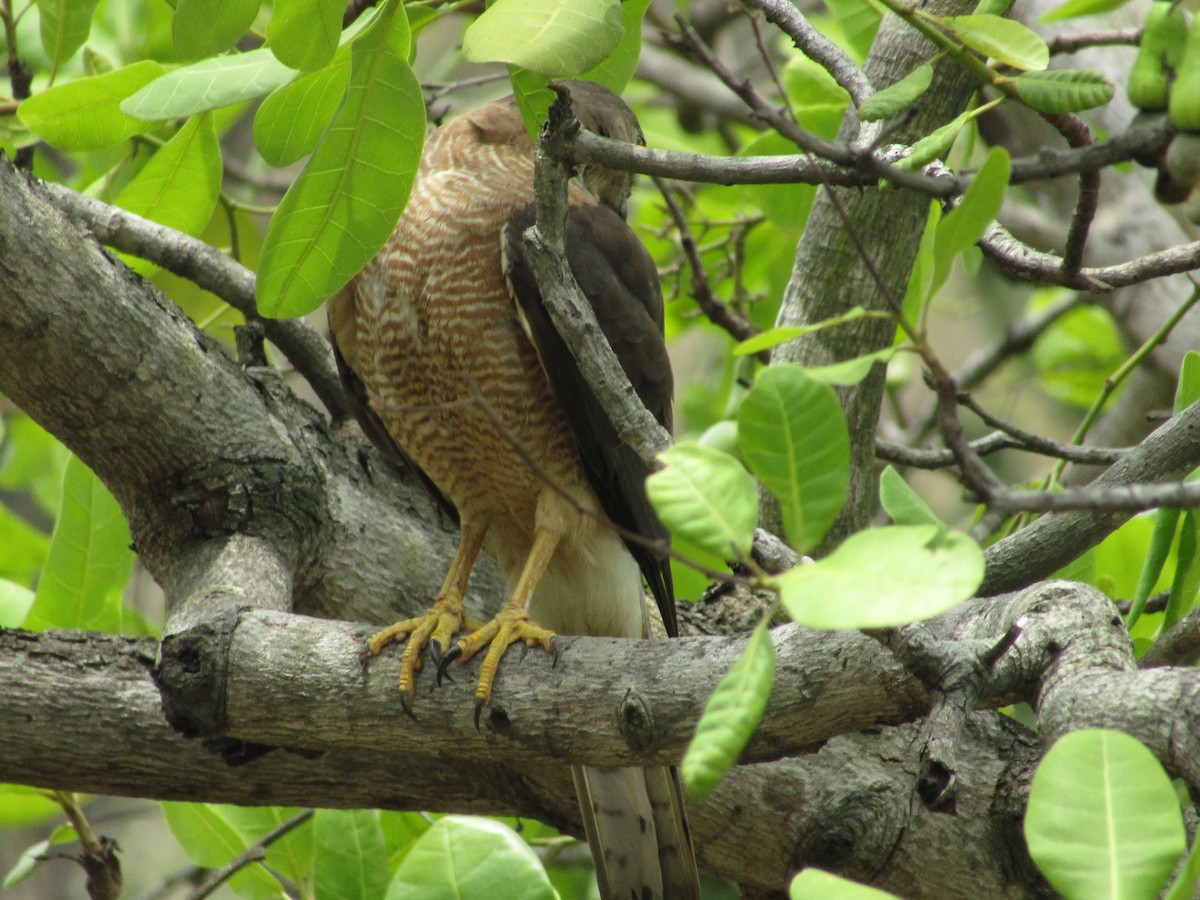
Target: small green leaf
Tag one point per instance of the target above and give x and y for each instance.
(210, 841)
(936, 144)
(898, 96)
(203, 28)
(1187, 391)
(850, 371)
(707, 497)
(1184, 886)
(555, 38)
(884, 577)
(964, 225)
(1003, 40)
(902, 503)
(65, 25)
(1161, 539)
(290, 122)
(209, 84)
(858, 20)
(793, 436)
(464, 856)
(89, 561)
(814, 883)
(730, 716)
(1074, 9)
(351, 857)
(180, 185)
(618, 67)
(992, 7)
(346, 202)
(85, 114)
(1103, 819)
(1187, 572)
(304, 33)
(15, 601)
(1063, 90)
(25, 549)
(773, 337)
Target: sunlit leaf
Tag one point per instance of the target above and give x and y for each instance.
(210, 841)
(85, 114)
(1074, 9)
(15, 601)
(815, 883)
(902, 503)
(207, 27)
(351, 857)
(289, 123)
(730, 716)
(884, 577)
(792, 434)
(1103, 819)
(346, 202)
(65, 25)
(1004, 40)
(963, 226)
(555, 38)
(304, 33)
(618, 67)
(1064, 90)
(898, 96)
(209, 84)
(936, 144)
(706, 496)
(773, 337)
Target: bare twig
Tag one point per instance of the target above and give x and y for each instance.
(252, 854)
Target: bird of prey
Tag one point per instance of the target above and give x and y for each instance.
(454, 367)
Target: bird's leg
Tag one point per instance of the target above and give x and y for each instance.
(443, 620)
(511, 624)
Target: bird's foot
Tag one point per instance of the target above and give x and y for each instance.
(509, 627)
(435, 629)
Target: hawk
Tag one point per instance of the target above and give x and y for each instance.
(454, 367)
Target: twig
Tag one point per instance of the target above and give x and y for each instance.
(902, 455)
(1077, 134)
(1036, 443)
(1073, 43)
(252, 854)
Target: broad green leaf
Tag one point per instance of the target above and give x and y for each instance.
(1077, 353)
(1187, 572)
(992, 7)
(209, 84)
(1103, 819)
(773, 337)
(902, 503)
(964, 225)
(35, 854)
(533, 97)
(851, 371)
(815, 883)
(210, 841)
(22, 806)
(89, 561)
(898, 96)
(859, 20)
(304, 33)
(346, 202)
(793, 436)
(290, 855)
(180, 185)
(555, 38)
(400, 831)
(936, 144)
(1064, 90)
(25, 549)
(884, 577)
(786, 205)
(15, 601)
(464, 856)
(1003, 40)
(85, 114)
(203, 28)
(290, 122)
(618, 68)
(730, 716)
(707, 497)
(351, 857)
(1074, 9)
(33, 461)
(65, 25)
(1186, 882)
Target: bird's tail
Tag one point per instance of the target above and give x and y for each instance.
(636, 827)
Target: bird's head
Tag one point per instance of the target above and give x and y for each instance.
(602, 112)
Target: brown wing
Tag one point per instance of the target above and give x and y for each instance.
(620, 281)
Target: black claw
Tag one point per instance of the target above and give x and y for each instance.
(455, 653)
(435, 652)
(406, 705)
(478, 709)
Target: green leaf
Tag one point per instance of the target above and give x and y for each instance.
(707, 497)
(25, 549)
(346, 202)
(617, 69)
(936, 144)
(1161, 539)
(85, 114)
(1077, 353)
(898, 96)
(1103, 819)
(207, 27)
(89, 561)
(35, 853)
(209, 84)
(1074, 9)
(1184, 886)
(289, 123)
(1187, 572)
(65, 25)
(884, 577)
(533, 97)
(209, 840)
(290, 855)
(351, 857)
(814, 883)
(793, 436)
(902, 503)
(180, 185)
(773, 337)
(464, 856)
(1063, 90)
(15, 601)
(786, 205)
(850, 371)
(1187, 391)
(859, 20)
(1003, 40)
(730, 716)
(963, 226)
(555, 38)
(22, 806)
(304, 34)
